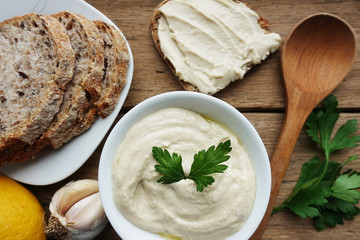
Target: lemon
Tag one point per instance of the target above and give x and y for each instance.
(21, 215)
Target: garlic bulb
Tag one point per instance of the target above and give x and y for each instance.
(76, 212)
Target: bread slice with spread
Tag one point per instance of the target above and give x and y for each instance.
(36, 62)
(210, 43)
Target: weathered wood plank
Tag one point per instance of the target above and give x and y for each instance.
(262, 87)
(282, 225)
(260, 95)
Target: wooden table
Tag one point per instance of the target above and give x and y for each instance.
(259, 97)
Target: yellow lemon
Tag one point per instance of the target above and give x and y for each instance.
(21, 215)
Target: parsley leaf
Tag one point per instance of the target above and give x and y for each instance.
(205, 163)
(323, 192)
(170, 166)
(345, 188)
(343, 138)
(302, 204)
(307, 191)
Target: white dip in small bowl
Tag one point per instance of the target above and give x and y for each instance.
(139, 207)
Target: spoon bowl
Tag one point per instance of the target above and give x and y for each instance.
(316, 57)
(318, 53)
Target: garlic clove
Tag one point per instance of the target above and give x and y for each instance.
(76, 212)
(86, 213)
(72, 192)
(86, 217)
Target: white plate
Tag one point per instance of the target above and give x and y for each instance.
(51, 166)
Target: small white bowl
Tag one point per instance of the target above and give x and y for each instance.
(204, 104)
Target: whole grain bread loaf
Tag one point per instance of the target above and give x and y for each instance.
(36, 62)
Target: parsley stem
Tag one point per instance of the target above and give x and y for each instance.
(280, 208)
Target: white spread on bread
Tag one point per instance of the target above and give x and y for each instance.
(177, 208)
(212, 42)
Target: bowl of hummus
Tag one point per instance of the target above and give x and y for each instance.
(184, 165)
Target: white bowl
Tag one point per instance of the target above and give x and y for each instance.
(204, 104)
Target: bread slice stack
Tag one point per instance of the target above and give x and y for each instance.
(58, 73)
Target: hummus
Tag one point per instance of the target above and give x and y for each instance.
(177, 208)
(212, 42)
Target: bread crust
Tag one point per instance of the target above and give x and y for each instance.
(114, 78)
(29, 129)
(92, 81)
(154, 33)
(116, 65)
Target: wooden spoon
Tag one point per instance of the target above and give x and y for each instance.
(316, 56)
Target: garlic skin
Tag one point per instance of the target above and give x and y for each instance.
(76, 212)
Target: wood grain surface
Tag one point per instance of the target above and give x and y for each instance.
(259, 96)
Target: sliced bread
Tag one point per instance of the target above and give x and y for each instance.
(36, 62)
(99, 63)
(208, 44)
(85, 87)
(116, 65)
(115, 68)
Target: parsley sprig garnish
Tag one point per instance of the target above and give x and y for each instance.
(324, 192)
(205, 163)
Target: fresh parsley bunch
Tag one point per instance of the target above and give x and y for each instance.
(324, 192)
(205, 163)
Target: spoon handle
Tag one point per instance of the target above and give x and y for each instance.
(293, 122)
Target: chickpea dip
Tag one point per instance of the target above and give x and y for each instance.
(178, 209)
